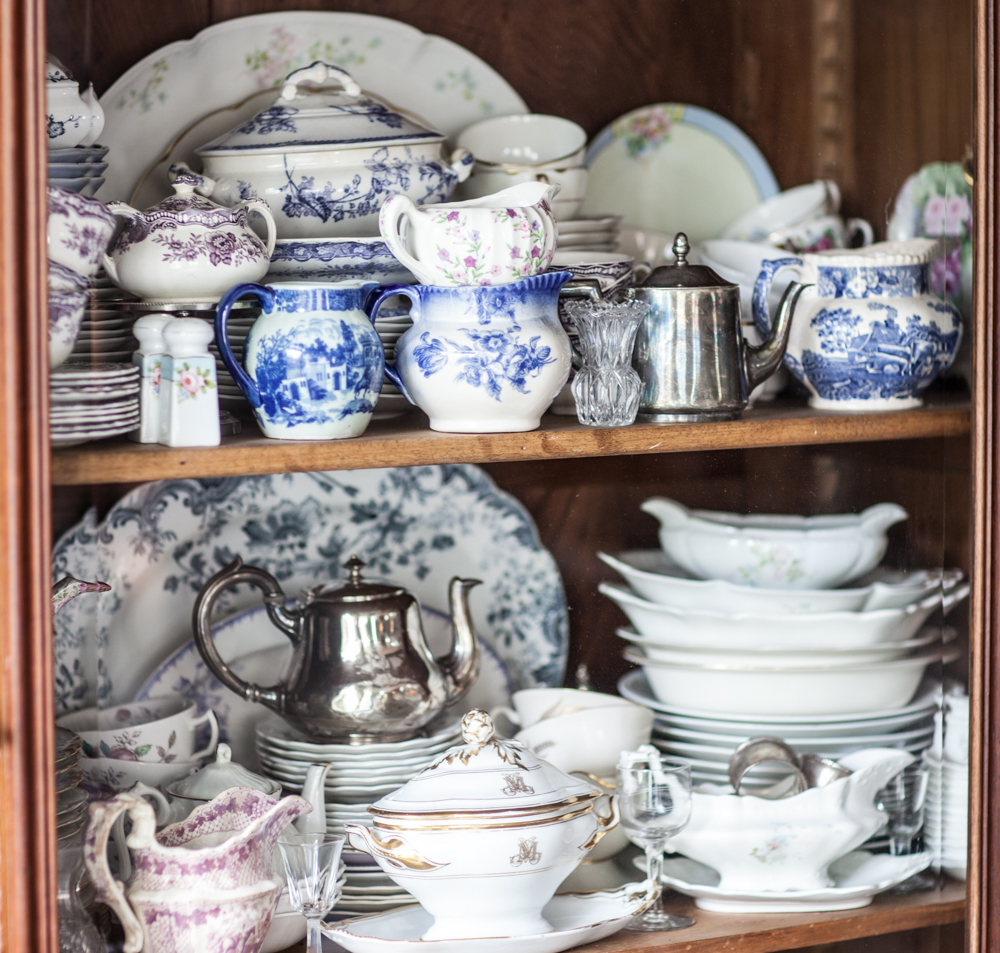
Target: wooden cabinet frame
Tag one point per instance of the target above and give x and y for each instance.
(27, 800)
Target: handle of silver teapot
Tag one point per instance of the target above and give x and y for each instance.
(759, 363)
(272, 697)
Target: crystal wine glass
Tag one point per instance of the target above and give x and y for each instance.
(312, 862)
(903, 799)
(654, 797)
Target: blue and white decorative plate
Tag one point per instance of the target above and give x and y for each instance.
(672, 167)
(418, 526)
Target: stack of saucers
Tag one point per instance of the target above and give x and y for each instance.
(946, 815)
(106, 334)
(589, 234)
(391, 324)
(360, 775)
(92, 401)
(80, 169)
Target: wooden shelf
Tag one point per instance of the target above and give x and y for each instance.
(406, 441)
(769, 932)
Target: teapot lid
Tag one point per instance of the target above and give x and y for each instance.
(55, 72)
(186, 207)
(483, 776)
(316, 120)
(219, 776)
(681, 274)
(356, 588)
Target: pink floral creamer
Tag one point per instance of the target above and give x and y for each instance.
(494, 240)
(203, 885)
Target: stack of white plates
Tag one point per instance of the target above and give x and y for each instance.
(946, 816)
(106, 333)
(80, 169)
(239, 324)
(589, 234)
(361, 774)
(92, 401)
(391, 325)
(708, 739)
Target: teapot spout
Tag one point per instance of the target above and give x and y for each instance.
(313, 791)
(761, 362)
(461, 666)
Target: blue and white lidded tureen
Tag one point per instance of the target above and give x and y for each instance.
(326, 160)
(867, 333)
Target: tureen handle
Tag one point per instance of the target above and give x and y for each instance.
(604, 824)
(461, 163)
(259, 207)
(395, 850)
(317, 72)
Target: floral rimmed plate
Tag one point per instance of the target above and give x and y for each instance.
(418, 526)
(240, 62)
(673, 167)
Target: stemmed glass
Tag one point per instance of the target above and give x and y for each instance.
(654, 797)
(903, 800)
(312, 862)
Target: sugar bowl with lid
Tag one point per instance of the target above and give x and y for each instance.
(484, 835)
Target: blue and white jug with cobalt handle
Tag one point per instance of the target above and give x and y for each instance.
(313, 363)
(482, 358)
(867, 334)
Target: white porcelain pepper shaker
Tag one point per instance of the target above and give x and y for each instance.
(149, 357)
(189, 394)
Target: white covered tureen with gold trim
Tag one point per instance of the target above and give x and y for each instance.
(484, 835)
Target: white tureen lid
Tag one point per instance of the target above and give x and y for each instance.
(486, 775)
(316, 120)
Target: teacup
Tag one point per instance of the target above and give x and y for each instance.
(494, 240)
(526, 140)
(590, 740)
(66, 309)
(822, 233)
(79, 230)
(531, 705)
(105, 777)
(160, 730)
(786, 209)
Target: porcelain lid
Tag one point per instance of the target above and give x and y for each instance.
(55, 72)
(316, 120)
(485, 776)
(219, 776)
(186, 207)
(682, 275)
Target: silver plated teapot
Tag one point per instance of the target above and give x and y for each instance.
(361, 670)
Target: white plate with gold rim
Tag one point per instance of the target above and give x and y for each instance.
(576, 919)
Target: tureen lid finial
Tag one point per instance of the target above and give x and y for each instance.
(477, 727)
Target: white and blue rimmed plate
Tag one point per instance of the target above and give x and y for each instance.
(418, 526)
(672, 167)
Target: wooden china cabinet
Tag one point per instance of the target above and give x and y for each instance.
(861, 91)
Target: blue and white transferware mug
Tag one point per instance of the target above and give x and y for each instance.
(866, 333)
(482, 358)
(313, 362)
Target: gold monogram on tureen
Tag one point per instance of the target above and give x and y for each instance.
(527, 852)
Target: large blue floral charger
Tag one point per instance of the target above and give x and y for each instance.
(418, 526)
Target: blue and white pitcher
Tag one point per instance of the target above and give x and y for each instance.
(482, 358)
(866, 333)
(313, 361)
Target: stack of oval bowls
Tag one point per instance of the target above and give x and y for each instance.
(777, 625)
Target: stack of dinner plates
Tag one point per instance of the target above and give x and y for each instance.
(80, 169)
(92, 401)
(589, 234)
(391, 324)
(361, 774)
(946, 812)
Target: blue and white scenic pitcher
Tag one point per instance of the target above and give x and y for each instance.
(313, 361)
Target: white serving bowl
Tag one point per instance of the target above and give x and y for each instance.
(789, 844)
(782, 552)
(533, 139)
(531, 705)
(822, 657)
(759, 690)
(654, 576)
(590, 740)
(751, 631)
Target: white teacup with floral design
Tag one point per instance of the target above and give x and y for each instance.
(494, 240)
(159, 730)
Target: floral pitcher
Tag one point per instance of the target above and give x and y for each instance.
(204, 885)
(479, 359)
(492, 240)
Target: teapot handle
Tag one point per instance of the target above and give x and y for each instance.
(103, 815)
(317, 72)
(274, 597)
(260, 207)
(372, 308)
(396, 207)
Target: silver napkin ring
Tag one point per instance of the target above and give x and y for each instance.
(760, 751)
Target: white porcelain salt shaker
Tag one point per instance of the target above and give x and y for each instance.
(149, 331)
(189, 393)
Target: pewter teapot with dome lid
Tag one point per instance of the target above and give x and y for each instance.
(361, 670)
(690, 351)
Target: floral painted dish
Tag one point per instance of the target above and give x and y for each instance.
(418, 526)
(672, 167)
(241, 61)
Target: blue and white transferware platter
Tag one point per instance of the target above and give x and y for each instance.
(199, 88)
(418, 526)
(672, 167)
